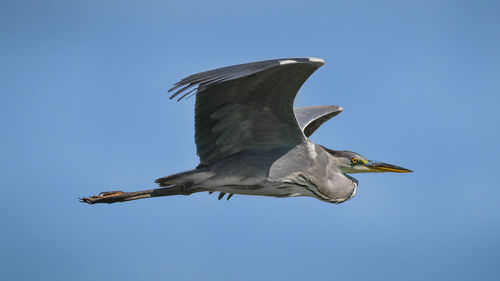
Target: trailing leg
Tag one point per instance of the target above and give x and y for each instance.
(120, 196)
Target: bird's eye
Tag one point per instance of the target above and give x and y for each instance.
(354, 160)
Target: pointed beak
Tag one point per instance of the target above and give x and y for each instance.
(381, 167)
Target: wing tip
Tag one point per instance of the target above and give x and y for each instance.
(316, 60)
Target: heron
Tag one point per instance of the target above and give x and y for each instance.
(251, 140)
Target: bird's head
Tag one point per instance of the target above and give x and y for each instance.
(351, 163)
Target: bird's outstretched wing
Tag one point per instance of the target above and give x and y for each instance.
(247, 106)
(311, 117)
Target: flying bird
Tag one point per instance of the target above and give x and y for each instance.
(251, 141)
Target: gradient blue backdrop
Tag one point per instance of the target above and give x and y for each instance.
(84, 109)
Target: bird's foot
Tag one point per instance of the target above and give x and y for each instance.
(104, 197)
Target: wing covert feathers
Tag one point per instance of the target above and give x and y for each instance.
(247, 106)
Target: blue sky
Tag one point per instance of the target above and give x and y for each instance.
(84, 109)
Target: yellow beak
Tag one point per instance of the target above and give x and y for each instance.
(384, 167)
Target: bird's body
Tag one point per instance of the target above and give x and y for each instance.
(251, 141)
(306, 170)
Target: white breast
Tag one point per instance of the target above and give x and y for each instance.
(311, 150)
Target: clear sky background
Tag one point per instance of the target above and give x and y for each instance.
(84, 109)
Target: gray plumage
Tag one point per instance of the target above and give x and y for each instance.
(251, 141)
(310, 118)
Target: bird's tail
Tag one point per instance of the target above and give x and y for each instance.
(189, 178)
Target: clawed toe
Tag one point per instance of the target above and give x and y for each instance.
(103, 197)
